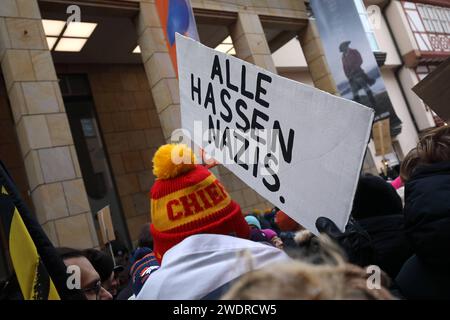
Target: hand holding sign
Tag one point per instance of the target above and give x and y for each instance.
(207, 160)
(268, 131)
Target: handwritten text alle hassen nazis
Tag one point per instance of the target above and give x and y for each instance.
(303, 159)
(232, 109)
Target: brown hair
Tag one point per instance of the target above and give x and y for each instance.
(408, 165)
(433, 146)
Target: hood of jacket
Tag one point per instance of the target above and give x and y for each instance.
(202, 263)
(427, 213)
(389, 241)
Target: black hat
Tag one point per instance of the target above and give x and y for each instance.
(375, 197)
(101, 261)
(343, 46)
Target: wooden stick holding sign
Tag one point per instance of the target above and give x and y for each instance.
(106, 229)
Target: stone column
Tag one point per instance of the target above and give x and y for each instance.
(315, 57)
(250, 41)
(158, 67)
(51, 163)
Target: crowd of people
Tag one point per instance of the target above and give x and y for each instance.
(200, 245)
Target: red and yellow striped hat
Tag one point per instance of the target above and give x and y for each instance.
(187, 199)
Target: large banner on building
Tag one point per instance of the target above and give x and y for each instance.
(298, 147)
(350, 58)
(176, 16)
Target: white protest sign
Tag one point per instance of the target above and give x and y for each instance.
(298, 147)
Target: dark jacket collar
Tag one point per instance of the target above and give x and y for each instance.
(431, 169)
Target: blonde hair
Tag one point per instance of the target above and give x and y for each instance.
(334, 279)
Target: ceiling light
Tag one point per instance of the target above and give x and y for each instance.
(79, 29)
(53, 27)
(70, 45)
(51, 42)
(137, 49)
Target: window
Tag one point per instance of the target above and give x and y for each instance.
(422, 71)
(444, 18)
(89, 146)
(435, 19)
(366, 24)
(416, 21)
(430, 26)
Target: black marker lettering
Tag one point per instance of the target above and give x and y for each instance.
(229, 84)
(227, 118)
(241, 103)
(210, 98)
(260, 90)
(216, 70)
(196, 89)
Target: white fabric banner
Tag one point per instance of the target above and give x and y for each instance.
(297, 146)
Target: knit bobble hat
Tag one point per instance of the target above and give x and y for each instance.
(187, 199)
(253, 221)
(270, 234)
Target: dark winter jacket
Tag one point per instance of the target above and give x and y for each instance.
(351, 62)
(391, 248)
(427, 214)
(378, 210)
(427, 225)
(417, 280)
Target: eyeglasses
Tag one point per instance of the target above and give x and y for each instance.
(96, 288)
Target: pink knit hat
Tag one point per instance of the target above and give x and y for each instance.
(269, 233)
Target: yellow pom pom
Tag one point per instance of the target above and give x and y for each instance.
(172, 160)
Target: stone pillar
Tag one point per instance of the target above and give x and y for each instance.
(250, 41)
(158, 67)
(421, 113)
(51, 163)
(315, 57)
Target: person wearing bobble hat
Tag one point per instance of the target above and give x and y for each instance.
(274, 239)
(199, 233)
